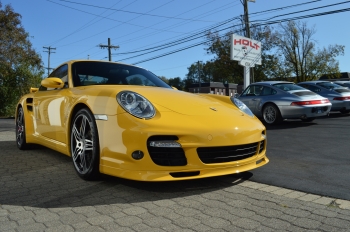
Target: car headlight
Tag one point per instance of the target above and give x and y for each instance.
(135, 104)
(242, 106)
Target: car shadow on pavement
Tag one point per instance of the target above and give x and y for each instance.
(46, 179)
(289, 124)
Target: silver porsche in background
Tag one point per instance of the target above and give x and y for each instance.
(338, 95)
(273, 101)
(343, 83)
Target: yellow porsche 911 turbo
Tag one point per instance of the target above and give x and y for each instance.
(124, 121)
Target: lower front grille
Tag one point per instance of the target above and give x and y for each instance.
(167, 156)
(209, 155)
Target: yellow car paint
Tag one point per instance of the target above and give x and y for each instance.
(198, 121)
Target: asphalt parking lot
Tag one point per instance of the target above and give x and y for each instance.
(311, 157)
(40, 190)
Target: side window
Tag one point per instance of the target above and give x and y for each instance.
(313, 88)
(62, 73)
(268, 91)
(253, 90)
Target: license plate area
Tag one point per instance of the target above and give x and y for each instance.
(319, 110)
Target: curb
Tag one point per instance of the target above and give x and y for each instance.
(326, 201)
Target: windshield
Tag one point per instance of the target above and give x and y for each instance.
(288, 86)
(328, 85)
(103, 73)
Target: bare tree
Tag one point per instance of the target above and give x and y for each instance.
(299, 55)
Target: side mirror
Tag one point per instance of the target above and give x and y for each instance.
(34, 90)
(174, 87)
(52, 82)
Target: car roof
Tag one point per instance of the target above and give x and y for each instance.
(341, 81)
(272, 82)
(101, 61)
(312, 82)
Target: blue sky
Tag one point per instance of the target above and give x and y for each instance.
(76, 28)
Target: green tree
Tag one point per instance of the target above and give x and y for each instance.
(164, 79)
(299, 55)
(177, 83)
(222, 68)
(20, 65)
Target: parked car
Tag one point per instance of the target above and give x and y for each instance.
(274, 101)
(342, 83)
(338, 95)
(124, 121)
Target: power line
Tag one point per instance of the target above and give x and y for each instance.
(185, 39)
(151, 25)
(113, 19)
(261, 24)
(86, 25)
(131, 12)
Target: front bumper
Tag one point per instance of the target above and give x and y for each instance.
(130, 134)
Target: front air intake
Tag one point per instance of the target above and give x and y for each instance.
(166, 156)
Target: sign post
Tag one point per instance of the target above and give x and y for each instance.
(248, 54)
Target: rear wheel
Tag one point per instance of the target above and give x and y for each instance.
(84, 145)
(271, 114)
(21, 130)
(307, 119)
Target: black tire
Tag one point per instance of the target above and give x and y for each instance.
(84, 145)
(307, 119)
(21, 130)
(271, 114)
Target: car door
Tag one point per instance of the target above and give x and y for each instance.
(251, 97)
(49, 109)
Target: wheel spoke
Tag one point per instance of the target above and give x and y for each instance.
(83, 161)
(76, 134)
(83, 126)
(76, 153)
(88, 145)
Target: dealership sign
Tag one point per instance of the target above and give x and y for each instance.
(246, 51)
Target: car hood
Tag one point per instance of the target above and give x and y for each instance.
(187, 103)
(166, 99)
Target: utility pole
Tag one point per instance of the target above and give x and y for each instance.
(49, 52)
(247, 29)
(246, 17)
(109, 46)
(199, 78)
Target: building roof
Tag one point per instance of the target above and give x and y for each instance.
(344, 75)
(214, 85)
